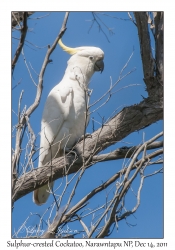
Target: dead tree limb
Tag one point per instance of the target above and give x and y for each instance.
(133, 166)
(18, 17)
(21, 41)
(125, 152)
(152, 67)
(130, 119)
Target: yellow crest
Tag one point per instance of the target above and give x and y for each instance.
(69, 50)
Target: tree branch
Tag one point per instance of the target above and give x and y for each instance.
(145, 44)
(56, 222)
(159, 45)
(125, 185)
(130, 119)
(125, 152)
(17, 17)
(22, 39)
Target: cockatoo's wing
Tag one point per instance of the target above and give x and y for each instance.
(55, 113)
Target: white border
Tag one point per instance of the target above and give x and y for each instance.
(5, 97)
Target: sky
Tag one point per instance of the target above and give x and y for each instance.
(118, 40)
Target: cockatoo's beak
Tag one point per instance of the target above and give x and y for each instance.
(99, 65)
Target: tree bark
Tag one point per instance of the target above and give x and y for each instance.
(130, 119)
(152, 67)
(18, 17)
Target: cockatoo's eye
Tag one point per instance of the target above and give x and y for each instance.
(91, 57)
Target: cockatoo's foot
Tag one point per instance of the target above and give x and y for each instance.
(68, 150)
(71, 151)
(86, 136)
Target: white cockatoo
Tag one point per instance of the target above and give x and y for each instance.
(63, 120)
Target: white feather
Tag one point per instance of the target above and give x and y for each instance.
(63, 120)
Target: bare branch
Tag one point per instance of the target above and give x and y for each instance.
(17, 17)
(121, 153)
(159, 45)
(95, 19)
(132, 20)
(17, 84)
(145, 44)
(21, 42)
(128, 120)
(124, 186)
(53, 227)
(28, 69)
(152, 68)
(40, 17)
(120, 78)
